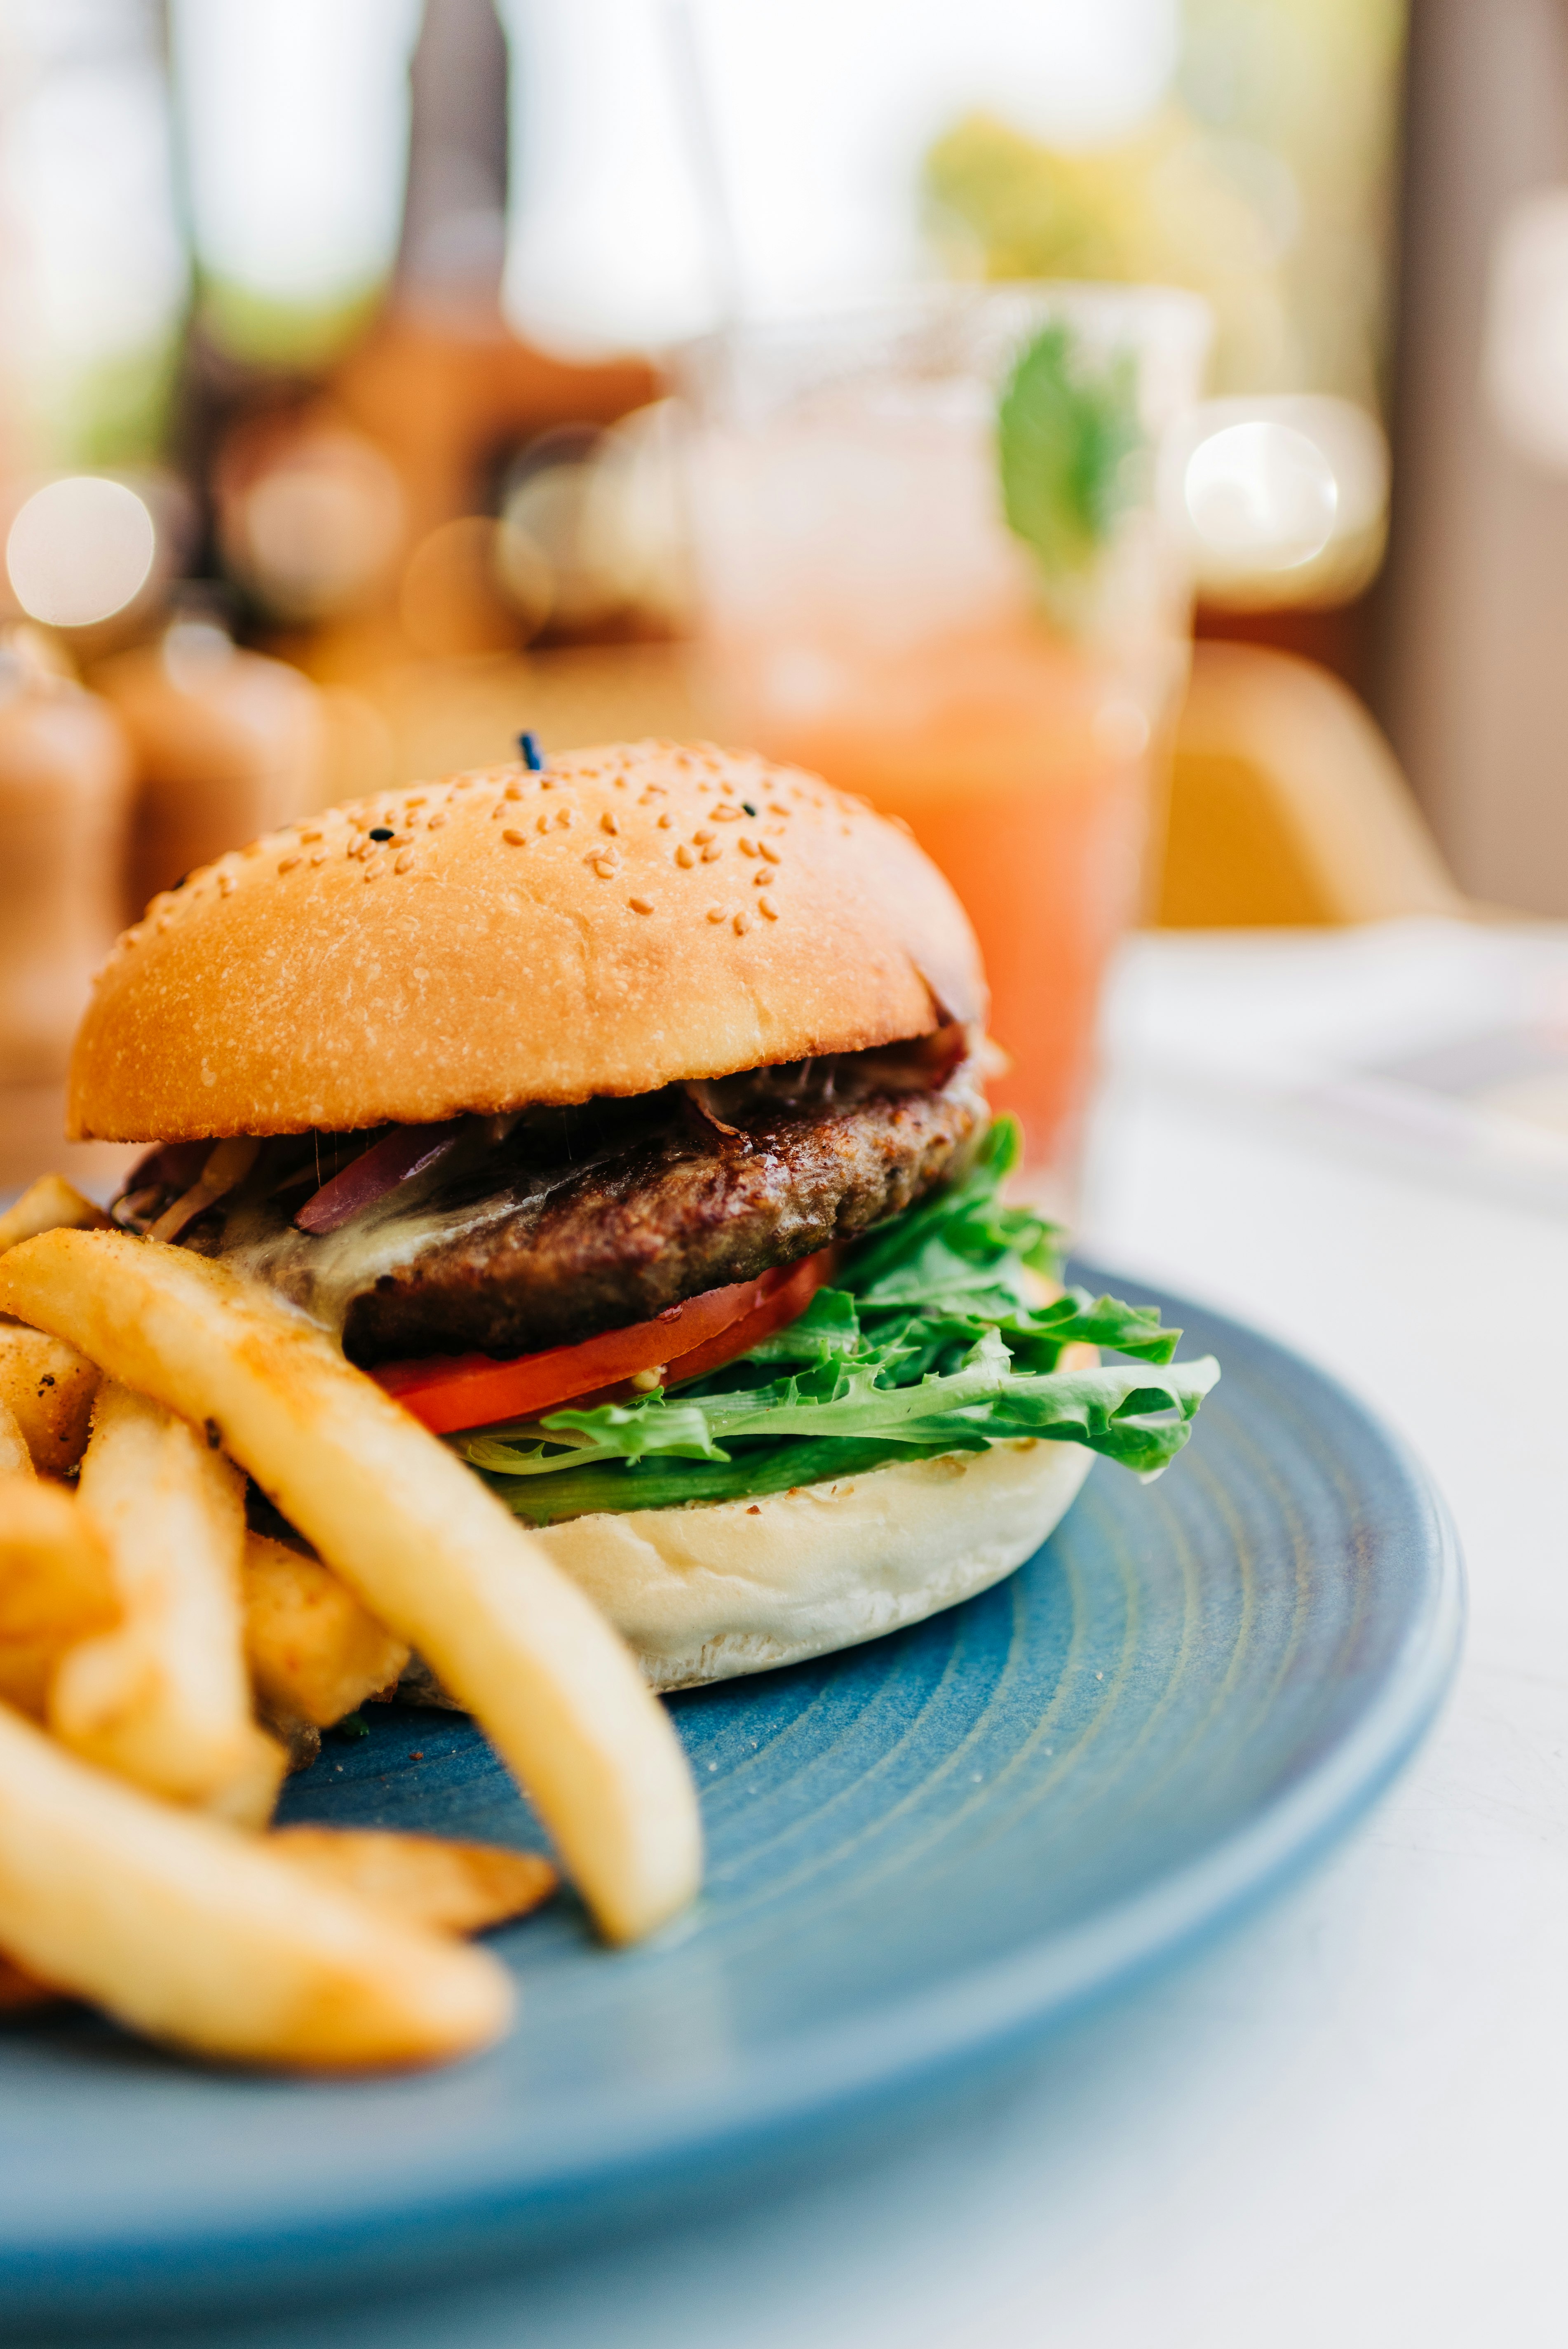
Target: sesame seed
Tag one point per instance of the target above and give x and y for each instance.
(512, 792)
(639, 905)
(765, 905)
(602, 867)
(747, 806)
(664, 823)
(683, 856)
(287, 863)
(716, 913)
(319, 857)
(373, 868)
(763, 880)
(770, 854)
(742, 924)
(434, 823)
(748, 847)
(513, 839)
(701, 839)
(607, 821)
(308, 837)
(403, 861)
(564, 819)
(711, 852)
(380, 832)
(725, 814)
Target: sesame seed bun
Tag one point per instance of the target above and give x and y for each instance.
(708, 1592)
(634, 916)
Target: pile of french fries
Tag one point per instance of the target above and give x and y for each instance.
(162, 1667)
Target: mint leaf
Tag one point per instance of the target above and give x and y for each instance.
(1062, 434)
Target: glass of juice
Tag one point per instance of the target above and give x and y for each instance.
(929, 566)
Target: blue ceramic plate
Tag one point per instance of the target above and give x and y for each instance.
(922, 1852)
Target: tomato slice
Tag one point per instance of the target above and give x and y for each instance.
(448, 1392)
(796, 1289)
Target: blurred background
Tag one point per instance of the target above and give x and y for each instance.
(378, 377)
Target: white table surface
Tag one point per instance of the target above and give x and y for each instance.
(1344, 2125)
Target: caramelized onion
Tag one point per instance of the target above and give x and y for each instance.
(225, 1167)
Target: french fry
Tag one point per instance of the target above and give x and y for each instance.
(249, 1796)
(195, 1934)
(16, 1460)
(49, 1388)
(299, 1740)
(55, 1586)
(45, 1206)
(454, 1888)
(315, 1653)
(21, 1991)
(163, 1698)
(414, 1533)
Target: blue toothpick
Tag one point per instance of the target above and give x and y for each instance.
(532, 756)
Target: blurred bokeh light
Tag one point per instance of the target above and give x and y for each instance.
(1278, 502)
(311, 517)
(80, 551)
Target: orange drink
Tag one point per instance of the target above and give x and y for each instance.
(871, 608)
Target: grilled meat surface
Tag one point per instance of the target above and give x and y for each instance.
(660, 1222)
(547, 1229)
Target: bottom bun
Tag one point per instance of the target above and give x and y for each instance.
(706, 1592)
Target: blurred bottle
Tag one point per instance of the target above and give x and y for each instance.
(65, 788)
(228, 745)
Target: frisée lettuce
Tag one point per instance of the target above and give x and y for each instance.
(928, 1340)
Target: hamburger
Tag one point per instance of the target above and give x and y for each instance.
(624, 1116)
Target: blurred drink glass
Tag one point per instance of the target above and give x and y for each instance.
(866, 610)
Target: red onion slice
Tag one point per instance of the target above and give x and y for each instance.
(397, 1158)
(168, 1165)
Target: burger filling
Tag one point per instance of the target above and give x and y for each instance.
(546, 1229)
(707, 1292)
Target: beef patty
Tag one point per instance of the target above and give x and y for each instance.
(686, 1212)
(547, 1228)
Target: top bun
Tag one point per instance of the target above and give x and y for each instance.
(632, 916)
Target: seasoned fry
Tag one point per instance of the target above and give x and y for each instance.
(16, 1460)
(459, 1887)
(315, 1653)
(414, 1533)
(249, 1797)
(49, 1388)
(299, 1740)
(45, 1206)
(20, 1992)
(192, 1933)
(163, 1698)
(55, 1586)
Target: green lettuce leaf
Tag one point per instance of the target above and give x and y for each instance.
(928, 1342)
